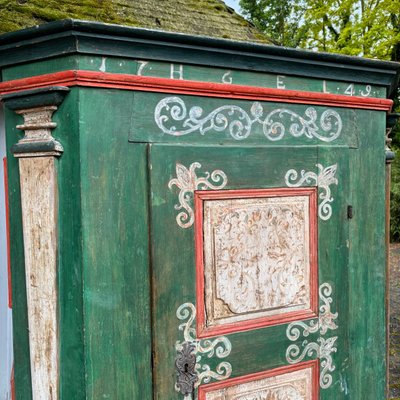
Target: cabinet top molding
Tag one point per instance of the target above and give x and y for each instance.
(18, 91)
(72, 36)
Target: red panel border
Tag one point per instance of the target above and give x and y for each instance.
(188, 87)
(199, 197)
(7, 209)
(314, 364)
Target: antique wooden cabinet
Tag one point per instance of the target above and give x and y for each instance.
(194, 218)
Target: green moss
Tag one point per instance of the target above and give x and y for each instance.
(204, 17)
(21, 15)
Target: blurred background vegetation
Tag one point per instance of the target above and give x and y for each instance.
(364, 28)
(395, 185)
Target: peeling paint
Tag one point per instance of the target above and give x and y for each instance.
(103, 64)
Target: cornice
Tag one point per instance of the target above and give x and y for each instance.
(18, 89)
(81, 37)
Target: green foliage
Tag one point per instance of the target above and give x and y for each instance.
(368, 28)
(395, 180)
(279, 19)
(395, 198)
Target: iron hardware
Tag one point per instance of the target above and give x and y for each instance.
(349, 212)
(185, 365)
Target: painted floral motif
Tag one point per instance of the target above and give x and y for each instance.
(324, 178)
(295, 385)
(173, 118)
(256, 257)
(187, 181)
(286, 392)
(219, 347)
(323, 347)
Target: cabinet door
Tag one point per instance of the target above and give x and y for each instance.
(249, 264)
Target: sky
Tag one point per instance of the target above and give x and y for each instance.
(234, 4)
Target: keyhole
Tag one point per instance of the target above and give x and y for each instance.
(186, 367)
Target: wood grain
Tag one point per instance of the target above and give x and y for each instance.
(39, 215)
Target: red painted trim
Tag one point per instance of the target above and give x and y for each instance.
(7, 232)
(199, 197)
(12, 384)
(195, 88)
(313, 364)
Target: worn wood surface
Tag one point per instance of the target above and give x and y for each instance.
(250, 254)
(366, 322)
(210, 121)
(173, 263)
(116, 274)
(333, 250)
(39, 214)
(298, 384)
(126, 265)
(70, 262)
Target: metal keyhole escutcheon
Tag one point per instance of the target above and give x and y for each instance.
(185, 364)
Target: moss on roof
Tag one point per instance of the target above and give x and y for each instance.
(200, 17)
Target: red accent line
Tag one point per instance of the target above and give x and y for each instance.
(201, 325)
(313, 364)
(12, 384)
(195, 88)
(7, 232)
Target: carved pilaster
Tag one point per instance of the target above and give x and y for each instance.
(38, 141)
(36, 152)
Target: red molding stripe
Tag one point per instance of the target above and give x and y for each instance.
(313, 364)
(195, 88)
(200, 196)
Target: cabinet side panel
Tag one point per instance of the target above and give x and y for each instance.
(71, 328)
(115, 241)
(367, 263)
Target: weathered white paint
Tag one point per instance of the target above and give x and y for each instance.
(176, 73)
(187, 181)
(322, 347)
(324, 179)
(219, 347)
(295, 385)
(38, 183)
(39, 214)
(174, 118)
(256, 257)
(6, 349)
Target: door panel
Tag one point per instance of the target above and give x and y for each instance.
(236, 279)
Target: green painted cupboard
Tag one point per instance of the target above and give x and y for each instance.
(194, 218)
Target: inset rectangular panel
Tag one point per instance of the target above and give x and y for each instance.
(256, 253)
(298, 382)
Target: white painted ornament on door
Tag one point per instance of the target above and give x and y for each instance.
(322, 347)
(187, 182)
(173, 118)
(324, 179)
(219, 347)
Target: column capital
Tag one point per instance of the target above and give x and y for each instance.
(37, 107)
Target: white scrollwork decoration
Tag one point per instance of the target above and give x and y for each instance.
(323, 347)
(173, 118)
(187, 181)
(220, 347)
(324, 178)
